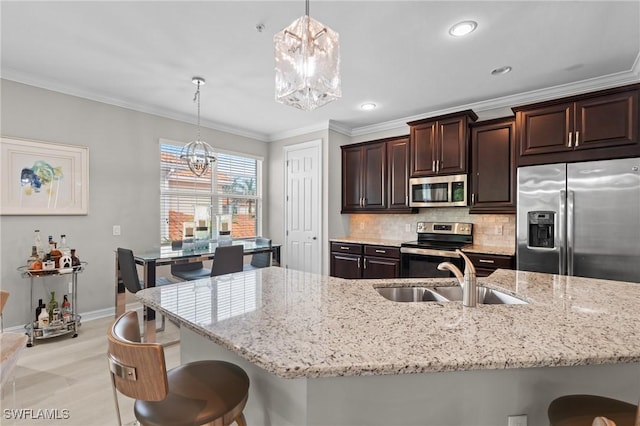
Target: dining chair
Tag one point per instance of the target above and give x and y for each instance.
(260, 260)
(197, 393)
(228, 259)
(129, 275)
(4, 295)
(583, 410)
(190, 271)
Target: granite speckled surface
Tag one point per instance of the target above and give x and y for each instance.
(296, 324)
(474, 248)
(482, 249)
(370, 241)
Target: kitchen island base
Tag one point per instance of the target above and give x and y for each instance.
(476, 397)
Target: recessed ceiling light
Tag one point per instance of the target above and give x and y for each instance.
(463, 28)
(501, 70)
(368, 106)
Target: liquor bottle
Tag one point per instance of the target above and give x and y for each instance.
(63, 247)
(33, 258)
(53, 304)
(75, 261)
(52, 244)
(39, 309)
(37, 241)
(43, 319)
(66, 309)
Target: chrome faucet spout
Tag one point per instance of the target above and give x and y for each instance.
(467, 281)
(448, 266)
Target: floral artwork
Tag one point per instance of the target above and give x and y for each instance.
(42, 173)
(43, 178)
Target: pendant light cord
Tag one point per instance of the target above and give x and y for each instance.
(307, 8)
(197, 97)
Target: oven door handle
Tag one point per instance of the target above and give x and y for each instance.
(428, 252)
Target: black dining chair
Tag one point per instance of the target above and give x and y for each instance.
(190, 271)
(129, 275)
(260, 260)
(228, 259)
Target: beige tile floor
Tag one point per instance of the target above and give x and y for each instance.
(68, 378)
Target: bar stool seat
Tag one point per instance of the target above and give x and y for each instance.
(197, 393)
(581, 410)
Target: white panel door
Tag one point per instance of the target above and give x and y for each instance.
(303, 209)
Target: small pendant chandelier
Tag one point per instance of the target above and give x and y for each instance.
(198, 154)
(307, 55)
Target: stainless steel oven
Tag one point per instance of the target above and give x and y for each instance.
(437, 243)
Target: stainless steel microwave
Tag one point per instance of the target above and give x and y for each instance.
(438, 191)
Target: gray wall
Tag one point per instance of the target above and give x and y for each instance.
(124, 189)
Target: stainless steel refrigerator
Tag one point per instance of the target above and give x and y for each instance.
(580, 219)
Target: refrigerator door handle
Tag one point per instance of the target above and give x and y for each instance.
(562, 249)
(570, 228)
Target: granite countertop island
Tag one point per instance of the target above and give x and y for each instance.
(296, 325)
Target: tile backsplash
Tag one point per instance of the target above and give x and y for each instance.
(495, 230)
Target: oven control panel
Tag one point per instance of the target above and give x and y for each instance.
(451, 228)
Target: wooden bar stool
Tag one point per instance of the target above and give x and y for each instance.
(582, 410)
(197, 393)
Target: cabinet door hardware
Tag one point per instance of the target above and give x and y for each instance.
(381, 251)
(433, 166)
(570, 141)
(365, 263)
(486, 261)
(358, 263)
(577, 138)
(344, 248)
(473, 198)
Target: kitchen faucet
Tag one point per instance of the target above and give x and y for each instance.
(466, 281)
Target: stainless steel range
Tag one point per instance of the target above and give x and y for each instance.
(437, 242)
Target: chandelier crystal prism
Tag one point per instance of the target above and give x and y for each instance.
(307, 56)
(198, 154)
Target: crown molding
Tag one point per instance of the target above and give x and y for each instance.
(11, 75)
(549, 93)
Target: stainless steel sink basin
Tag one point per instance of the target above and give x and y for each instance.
(411, 294)
(486, 295)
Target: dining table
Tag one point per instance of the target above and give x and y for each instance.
(174, 254)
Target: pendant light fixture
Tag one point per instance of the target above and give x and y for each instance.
(307, 56)
(198, 154)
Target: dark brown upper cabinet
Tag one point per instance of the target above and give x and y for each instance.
(364, 177)
(493, 166)
(375, 176)
(398, 173)
(593, 126)
(439, 145)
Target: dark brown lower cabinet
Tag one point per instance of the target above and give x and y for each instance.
(486, 264)
(355, 261)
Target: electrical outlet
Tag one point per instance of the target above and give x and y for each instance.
(361, 225)
(519, 420)
(116, 229)
(407, 227)
(498, 230)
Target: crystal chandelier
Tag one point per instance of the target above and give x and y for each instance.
(198, 154)
(307, 57)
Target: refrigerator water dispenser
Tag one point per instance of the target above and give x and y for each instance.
(541, 229)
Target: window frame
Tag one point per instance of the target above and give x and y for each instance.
(212, 193)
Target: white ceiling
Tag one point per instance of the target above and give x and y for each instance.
(398, 54)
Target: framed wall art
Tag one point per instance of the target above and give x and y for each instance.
(42, 178)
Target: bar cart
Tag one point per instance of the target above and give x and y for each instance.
(59, 327)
